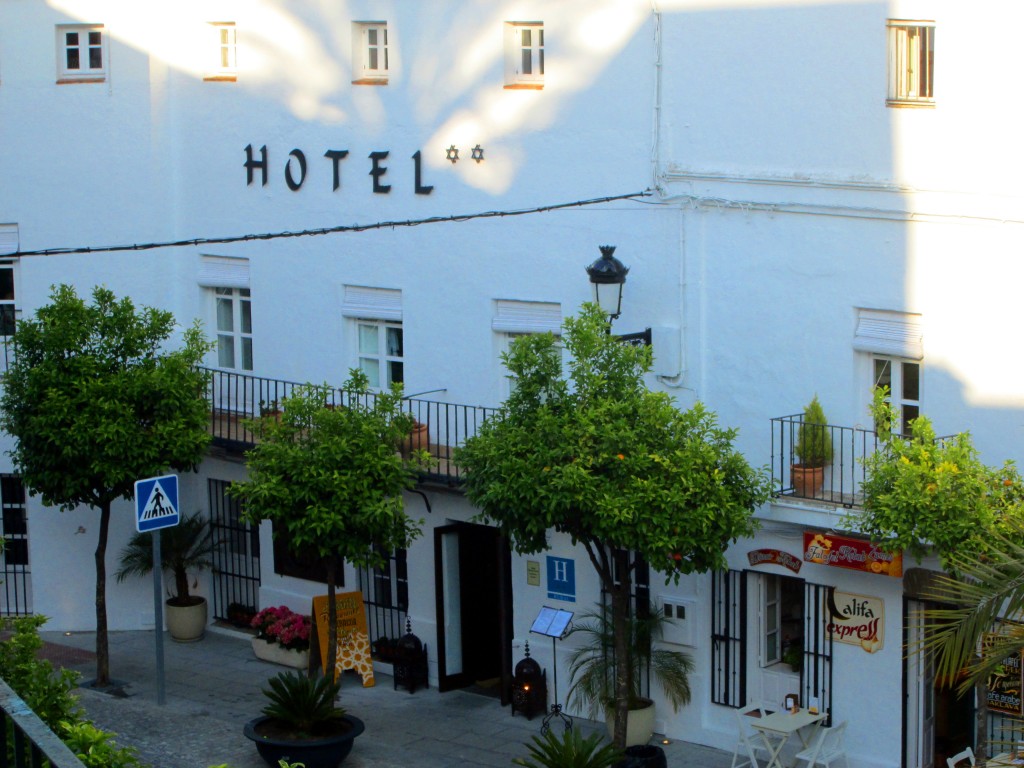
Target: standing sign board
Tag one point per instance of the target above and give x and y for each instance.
(156, 503)
(353, 635)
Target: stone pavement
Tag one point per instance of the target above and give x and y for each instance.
(213, 689)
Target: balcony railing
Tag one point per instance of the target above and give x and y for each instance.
(25, 741)
(840, 480)
(235, 397)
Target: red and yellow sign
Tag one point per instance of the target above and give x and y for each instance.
(855, 554)
(353, 637)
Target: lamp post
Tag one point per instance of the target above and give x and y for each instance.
(608, 275)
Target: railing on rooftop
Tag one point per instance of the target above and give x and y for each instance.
(25, 740)
(234, 397)
(842, 478)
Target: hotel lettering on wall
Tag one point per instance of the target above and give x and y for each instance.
(296, 167)
(857, 620)
(855, 554)
(1004, 683)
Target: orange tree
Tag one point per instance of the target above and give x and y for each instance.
(594, 454)
(95, 402)
(934, 496)
(331, 478)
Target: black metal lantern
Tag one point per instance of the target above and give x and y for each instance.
(608, 275)
(410, 665)
(529, 687)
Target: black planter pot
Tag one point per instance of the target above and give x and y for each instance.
(644, 756)
(327, 752)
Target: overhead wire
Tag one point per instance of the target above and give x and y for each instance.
(196, 241)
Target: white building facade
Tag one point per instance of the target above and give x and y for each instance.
(812, 198)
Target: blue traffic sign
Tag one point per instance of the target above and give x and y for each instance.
(156, 503)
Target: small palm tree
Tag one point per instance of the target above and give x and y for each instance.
(592, 665)
(570, 750)
(302, 703)
(184, 548)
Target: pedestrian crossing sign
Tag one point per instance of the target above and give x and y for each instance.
(156, 503)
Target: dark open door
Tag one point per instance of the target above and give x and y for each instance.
(474, 607)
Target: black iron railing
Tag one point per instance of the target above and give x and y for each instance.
(838, 481)
(235, 397)
(25, 741)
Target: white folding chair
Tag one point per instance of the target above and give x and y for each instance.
(967, 754)
(748, 747)
(826, 747)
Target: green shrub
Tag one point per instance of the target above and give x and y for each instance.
(570, 750)
(96, 748)
(46, 691)
(302, 703)
(814, 439)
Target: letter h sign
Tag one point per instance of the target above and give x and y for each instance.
(561, 579)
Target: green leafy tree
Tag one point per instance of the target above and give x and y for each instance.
(928, 495)
(597, 456)
(95, 401)
(331, 478)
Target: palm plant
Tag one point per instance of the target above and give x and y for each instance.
(184, 548)
(981, 626)
(570, 751)
(592, 666)
(305, 705)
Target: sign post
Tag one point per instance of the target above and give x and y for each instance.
(156, 507)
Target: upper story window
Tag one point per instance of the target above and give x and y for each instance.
(224, 52)
(370, 56)
(524, 54)
(381, 352)
(903, 378)
(234, 328)
(911, 63)
(81, 53)
(8, 313)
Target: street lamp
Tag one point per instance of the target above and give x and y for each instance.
(608, 275)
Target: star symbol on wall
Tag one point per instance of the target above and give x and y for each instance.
(478, 153)
(452, 153)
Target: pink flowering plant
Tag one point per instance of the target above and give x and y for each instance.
(284, 627)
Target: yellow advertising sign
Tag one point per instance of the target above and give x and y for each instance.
(353, 636)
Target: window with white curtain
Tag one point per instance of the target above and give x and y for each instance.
(381, 352)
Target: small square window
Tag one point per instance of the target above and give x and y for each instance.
(911, 63)
(524, 54)
(81, 53)
(370, 53)
(223, 52)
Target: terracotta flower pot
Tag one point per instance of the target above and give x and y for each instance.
(807, 481)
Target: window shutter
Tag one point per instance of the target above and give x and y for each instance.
(372, 303)
(816, 671)
(223, 272)
(8, 239)
(527, 317)
(899, 334)
(728, 638)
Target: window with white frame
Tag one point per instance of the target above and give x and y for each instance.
(911, 63)
(903, 378)
(223, 47)
(234, 328)
(81, 53)
(8, 313)
(370, 54)
(524, 54)
(781, 619)
(514, 319)
(381, 352)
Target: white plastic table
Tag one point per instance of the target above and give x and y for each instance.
(777, 728)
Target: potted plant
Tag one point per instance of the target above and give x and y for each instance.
(302, 723)
(813, 451)
(570, 750)
(592, 669)
(282, 637)
(184, 548)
